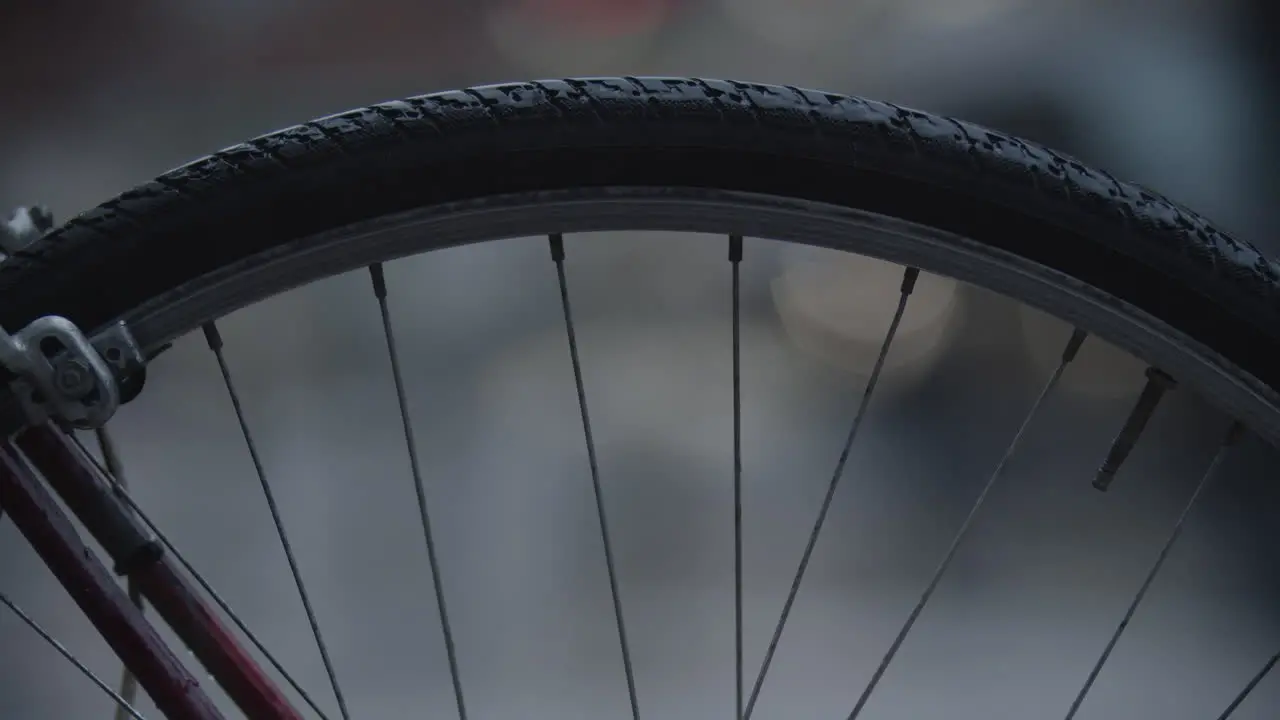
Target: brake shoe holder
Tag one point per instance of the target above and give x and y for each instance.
(56, 373)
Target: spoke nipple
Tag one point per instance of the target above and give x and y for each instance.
(152, 355)
(557, 246)
(1164, 379)
(909, 280)
(1234, 433)
(212, 336)
(1073, 345)
(1158, 382)
(1106, 475)
(379, 281)
(735, 248)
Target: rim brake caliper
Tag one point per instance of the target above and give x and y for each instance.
(54, 371)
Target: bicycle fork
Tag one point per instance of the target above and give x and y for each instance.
(90, 496)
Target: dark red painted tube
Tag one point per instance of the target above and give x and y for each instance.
(172, 688)
(80, 485)
(210, 640)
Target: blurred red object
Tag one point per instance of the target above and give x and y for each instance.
(597, 17)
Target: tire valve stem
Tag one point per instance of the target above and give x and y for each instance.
(1158, 383)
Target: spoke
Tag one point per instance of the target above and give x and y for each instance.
(215, 344)
(557, 255)
(1248, 688)
(122, 492)
(128, 682)
(1073, 346)
(735, 257)
(908, 284)
(380, 292)
(121, 703)
(1233, 434)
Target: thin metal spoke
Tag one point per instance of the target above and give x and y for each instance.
(1068, 354)
(121, 703)
(1248, 688)
(557, 255)
(128, 682)
(122, 492)
(380, 292)
(735, 257)
(908, 284)
(215, 344)
(1233, 434)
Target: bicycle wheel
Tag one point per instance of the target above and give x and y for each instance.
(547, 159)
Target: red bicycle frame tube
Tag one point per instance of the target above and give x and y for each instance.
(162, 675)
(90, 496)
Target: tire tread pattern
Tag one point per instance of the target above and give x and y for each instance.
(253, 195)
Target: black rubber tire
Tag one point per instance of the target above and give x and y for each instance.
(668, 132)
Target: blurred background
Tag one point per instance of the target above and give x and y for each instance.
(1179, 95)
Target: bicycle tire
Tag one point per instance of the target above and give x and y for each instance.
(1000, 191)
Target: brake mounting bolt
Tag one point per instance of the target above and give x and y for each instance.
(73, 378)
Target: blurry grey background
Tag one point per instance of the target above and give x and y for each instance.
(1178, 95)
